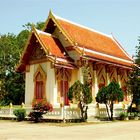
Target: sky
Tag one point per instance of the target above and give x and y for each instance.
(118, 17)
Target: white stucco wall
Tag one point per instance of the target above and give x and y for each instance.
(51, 87)
(74, 77)
(29, 86)
(80, 75)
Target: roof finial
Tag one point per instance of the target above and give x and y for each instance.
(50, 12)
(33, 26)
(112, 34)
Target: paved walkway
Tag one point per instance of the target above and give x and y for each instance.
(42, 131)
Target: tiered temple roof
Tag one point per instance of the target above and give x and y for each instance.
(90, 43)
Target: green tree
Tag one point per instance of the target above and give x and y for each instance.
(23, 35)
(11, 47)
(9, 56)
(39, 25)
(22, 39)
(134, 80)
(81, 92)
(108, 95)
(137, 60)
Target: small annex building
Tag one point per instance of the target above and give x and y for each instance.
(52, 61)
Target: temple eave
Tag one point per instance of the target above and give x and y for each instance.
(101, 61)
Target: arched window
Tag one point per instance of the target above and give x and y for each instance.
(39, 86)
(63, 78)
(39, 81)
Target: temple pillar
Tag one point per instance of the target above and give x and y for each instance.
(80, 75)
(119, 77)
(95, 81)
(55, 101)
(108, 80)
(107, 75)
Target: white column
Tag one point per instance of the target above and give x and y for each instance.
(29, 86)
(95, 82)
(55, 95)
(80, 75)
(107, 75)
(108, 79)
(119, 78)
(50, 84)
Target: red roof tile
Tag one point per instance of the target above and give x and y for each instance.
(55, 48)
(93, 40)
(51, 43)
(109, 60)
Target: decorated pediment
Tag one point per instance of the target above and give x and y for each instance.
(37, 53)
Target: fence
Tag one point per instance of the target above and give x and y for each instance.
(57, 113)
(67, 112)
(118, 108)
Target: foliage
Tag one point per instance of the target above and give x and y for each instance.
(20, 114)
(81, 92)
(39, 108)
(123, 115)
(15, 89)
(137, 60)
(108, 95)
(75, 91)
(11, 83)
(22, 39)
(87, 94)
(39, 25)
(133, 115)
(134, 80)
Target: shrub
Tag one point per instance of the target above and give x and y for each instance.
(123, 115)
(20, 114)
(132, 115)
(135, 114)
(38, 109)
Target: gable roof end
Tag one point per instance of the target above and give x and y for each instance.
(50, 44)
(93, 40)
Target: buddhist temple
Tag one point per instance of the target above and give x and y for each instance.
(53, 59)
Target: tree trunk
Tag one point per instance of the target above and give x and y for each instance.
(86, 113)
(108, 112)
(82, 111)
(111, 110)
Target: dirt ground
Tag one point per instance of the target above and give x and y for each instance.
(11, 130)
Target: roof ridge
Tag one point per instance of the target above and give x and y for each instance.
(82, 26)
(45, 33)
(39, 31)
(110, 37)
(114, 39)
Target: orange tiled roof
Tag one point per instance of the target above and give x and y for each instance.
(93, 40)
(55, 49)
(109, 60)
(51, 43)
